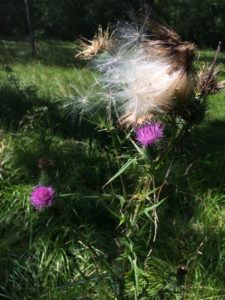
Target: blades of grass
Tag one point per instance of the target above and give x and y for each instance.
(122, 218)
(78, 282)
(137, 273)
(68, 195)
(124, 167)
(4, 296)
(148, 209)
(112, 212)
(136, 146)
(122, 200)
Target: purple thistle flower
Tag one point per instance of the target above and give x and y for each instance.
(150, 133)
(42, 197)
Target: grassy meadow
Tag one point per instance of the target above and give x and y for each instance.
(72, 250)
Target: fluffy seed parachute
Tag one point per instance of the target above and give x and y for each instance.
(147, 70)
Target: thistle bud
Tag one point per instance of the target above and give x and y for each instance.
(45, 163)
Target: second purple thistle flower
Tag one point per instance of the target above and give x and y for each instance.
(150, 133)
(42, 197)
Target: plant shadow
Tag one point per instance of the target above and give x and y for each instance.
(189, 218)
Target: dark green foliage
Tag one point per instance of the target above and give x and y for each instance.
(12, 18)
(199, 21)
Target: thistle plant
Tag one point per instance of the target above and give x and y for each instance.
(43, 195)
(153, 96)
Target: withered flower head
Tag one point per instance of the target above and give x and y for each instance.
(209, 84)
(102, 41)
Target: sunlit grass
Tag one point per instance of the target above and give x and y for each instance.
(62, 252)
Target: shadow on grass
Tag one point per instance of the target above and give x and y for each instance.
(189, 230)
(21, 107)
(206, 153)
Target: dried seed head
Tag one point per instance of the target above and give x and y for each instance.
(209, 84)
(160, 80)
(102, 41)
(147, 72)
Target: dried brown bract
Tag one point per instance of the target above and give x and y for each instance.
(167, 43)
(102, 41)
(209, 84)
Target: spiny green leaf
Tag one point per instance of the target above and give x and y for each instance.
(148, 209)
(124, 167)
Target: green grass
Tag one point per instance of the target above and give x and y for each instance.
(72, 249)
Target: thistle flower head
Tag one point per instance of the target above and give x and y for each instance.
(150, 133)
(42, 197)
